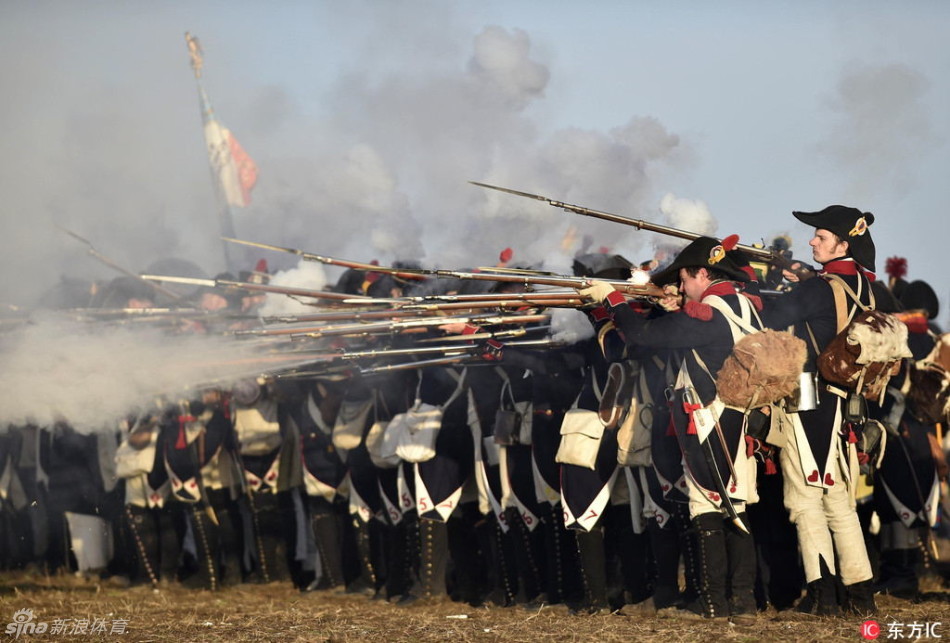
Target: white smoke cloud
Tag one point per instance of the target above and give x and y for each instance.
(307, 274)
(503, 68)
(882, 127)
(570, 326)
(93, 374)
(373, 167)
(688, 214)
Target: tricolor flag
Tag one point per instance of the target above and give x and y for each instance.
(234, 169)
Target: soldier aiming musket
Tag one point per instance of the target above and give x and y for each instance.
(527, 278)
(769, 255)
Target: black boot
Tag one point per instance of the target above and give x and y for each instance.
(666, 551)
(740, 548)
(689, 548)
(146, 545)
(326, 533)
(821, 598)
(207, 574)
(590, 548)
(899, 573)
(400, 554)
(860, 598)
(230, 535)
(496, 584)
(711, 539)
(470, 576)
(269, 547)
(633, 550)
(524, 548)
(434, 560)
(560, 557)
(365, 583)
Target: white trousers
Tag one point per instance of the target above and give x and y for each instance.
(825, 519)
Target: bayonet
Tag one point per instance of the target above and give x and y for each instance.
(330, 261)
(243, 285)
(639, 224)
(112, 264)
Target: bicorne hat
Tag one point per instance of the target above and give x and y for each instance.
(918, 295)
(851, 225)
(703, 252)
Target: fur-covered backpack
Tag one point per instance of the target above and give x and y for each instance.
(763, 366)
(868, 348)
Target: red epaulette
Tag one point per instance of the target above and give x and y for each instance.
(615, 298)
(698, 310)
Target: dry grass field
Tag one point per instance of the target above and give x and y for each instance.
(276, 612)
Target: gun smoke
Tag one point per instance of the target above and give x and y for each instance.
(366, 155)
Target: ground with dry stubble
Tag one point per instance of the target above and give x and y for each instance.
(278, 613)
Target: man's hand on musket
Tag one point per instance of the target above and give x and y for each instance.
(596, 290)
(797, 271)
(672, 299)
(459, 328)
(789, 275)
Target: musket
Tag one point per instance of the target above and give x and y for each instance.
(766, 254)
(634, 290)
(403, 352)
(503, 304)
(396, 302)
(109, 262)
(428, 350)
(405, 366)
(413, 306)
(160, 313)
(449, 359)
(244, 285)
(292, 357)
(341, 316)
(417, 324)
(386, 368)
(498, 334)
(371, 316)
(418, 275)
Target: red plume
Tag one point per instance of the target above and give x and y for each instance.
(506, 255)
(730, 242)
(896, 267)
(261, 266)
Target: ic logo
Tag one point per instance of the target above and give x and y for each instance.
(870, 630)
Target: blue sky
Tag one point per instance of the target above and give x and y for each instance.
(366, 119)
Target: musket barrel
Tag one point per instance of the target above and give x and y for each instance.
(645, 290)
(422, 324)
(244, 285)
(330, 261)
(640, 224)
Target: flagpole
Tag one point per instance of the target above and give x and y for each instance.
(210, 127)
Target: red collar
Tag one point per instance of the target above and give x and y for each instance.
(845, 267)
(720, 288)
(704, 312)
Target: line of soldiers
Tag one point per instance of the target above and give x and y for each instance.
(613, 471)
